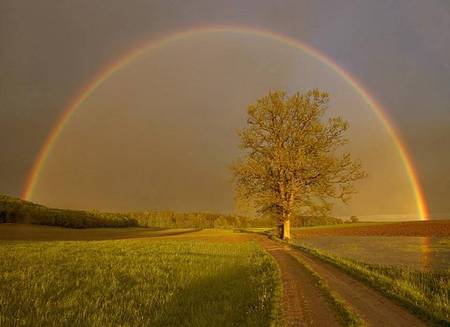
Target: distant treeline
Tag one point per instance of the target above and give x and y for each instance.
(13, 210)
(171, 219)
(304, 221)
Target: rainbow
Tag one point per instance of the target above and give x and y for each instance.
(136, 52)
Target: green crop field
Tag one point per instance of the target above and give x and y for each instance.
(128, 282)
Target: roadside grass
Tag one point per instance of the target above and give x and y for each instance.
(137, 282)
(424, 293)
(346, 314)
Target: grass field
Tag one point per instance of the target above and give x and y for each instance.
(192, 281)
(191, 277)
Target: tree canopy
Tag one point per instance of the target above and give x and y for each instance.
(293, 158)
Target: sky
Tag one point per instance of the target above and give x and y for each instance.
(161, 132)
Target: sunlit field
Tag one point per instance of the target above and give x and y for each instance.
(173, 281)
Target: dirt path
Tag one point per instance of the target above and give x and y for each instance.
(303, 303)
(369, 304)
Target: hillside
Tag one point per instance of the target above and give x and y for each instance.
(14, 210)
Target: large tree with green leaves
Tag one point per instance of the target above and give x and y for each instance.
(293, 158)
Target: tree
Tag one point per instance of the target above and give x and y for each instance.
(293, 162)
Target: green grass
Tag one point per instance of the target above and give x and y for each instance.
(426, 294)
(137, 282)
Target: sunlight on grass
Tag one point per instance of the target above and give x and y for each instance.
(137, 282)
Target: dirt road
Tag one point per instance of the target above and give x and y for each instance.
(304, 305)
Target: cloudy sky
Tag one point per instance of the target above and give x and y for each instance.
(161, 132)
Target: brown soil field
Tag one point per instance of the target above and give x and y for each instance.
(14, 232)
(407, 228)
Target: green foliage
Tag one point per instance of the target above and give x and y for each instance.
(293, 160)
(13, 210)
(137, 283)
(304, 221)
(172, 219)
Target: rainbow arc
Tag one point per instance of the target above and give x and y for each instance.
(130, 56)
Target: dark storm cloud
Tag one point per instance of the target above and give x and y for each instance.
(397, 49)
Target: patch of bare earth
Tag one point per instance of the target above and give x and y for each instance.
(374, 308)
(303, 303)
(407, 228)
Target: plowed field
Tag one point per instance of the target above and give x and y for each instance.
(410, 228)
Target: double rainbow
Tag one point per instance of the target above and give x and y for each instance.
(130, 56)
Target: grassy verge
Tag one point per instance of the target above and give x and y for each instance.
(136, 282)
(346, 314)
(426, 294)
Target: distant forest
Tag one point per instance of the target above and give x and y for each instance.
(14, 210)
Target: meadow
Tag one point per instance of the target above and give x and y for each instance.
(199, 277)
(178, 281)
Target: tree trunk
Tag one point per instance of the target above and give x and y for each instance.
(285, 233)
